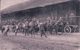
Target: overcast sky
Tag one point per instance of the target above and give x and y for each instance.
(7, 3)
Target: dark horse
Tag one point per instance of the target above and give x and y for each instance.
(5, 29)
(18, 29)
(43, 29)
(33, 28)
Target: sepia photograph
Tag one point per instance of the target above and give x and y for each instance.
(39, 24)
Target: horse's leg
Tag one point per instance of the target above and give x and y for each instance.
(5, 33)
(25, 32)
(56, 31)
(45, 34)
(50, 31)
(28, 32)
(16, 32)
(2, 31)
(32, 33)
(41, 34)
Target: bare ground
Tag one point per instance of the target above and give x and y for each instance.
(54, 42)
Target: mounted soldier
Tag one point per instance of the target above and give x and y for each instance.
(26, 27)
(16, 28)
(32, 26)
(49, 25)
(59, 25)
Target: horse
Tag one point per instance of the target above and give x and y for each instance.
(42, 29)
(5, 30)
(18, 29)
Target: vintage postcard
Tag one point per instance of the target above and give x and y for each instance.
(39, 24)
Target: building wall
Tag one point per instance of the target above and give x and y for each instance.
(66, 10)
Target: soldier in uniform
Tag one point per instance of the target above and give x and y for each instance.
(42, 29)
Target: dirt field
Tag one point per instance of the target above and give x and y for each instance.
(52, 42)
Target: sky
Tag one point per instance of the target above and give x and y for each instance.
(13, 5)
(7, 3)
(8, 6)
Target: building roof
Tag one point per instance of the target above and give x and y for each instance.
(32, 4)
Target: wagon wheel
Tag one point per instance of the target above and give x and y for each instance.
(67, 29)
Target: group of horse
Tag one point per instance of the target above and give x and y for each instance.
(33, 27)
